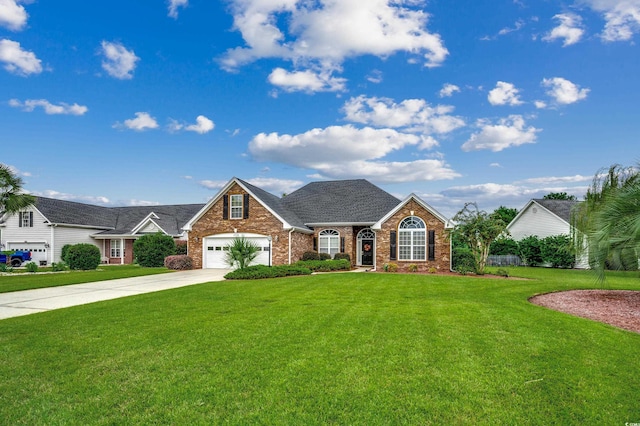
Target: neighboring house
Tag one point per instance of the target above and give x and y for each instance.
(49, 224)
(544, 218)
(348, 216)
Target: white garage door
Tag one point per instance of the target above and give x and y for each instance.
(215, 250)
(38, 250)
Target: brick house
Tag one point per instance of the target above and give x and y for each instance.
(347, 216)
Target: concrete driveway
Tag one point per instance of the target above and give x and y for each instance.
(27, 302)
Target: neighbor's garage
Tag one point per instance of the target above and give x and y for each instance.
(216, 246)
(38, 250)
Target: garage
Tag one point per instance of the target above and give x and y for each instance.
(38, 250)
(216, 247)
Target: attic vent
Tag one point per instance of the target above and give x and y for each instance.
(535, 210)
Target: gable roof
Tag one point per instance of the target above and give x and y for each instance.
(115, 220)
(414, 197)
(560, 208)
(344, 201)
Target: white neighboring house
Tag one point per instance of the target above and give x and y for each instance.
(50, 224)
(544, 218)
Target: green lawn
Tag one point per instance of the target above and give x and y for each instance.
(26, 280)
(344, 349)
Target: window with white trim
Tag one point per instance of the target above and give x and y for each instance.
(26, 220)
(235, 206)
(412, 239)
(329, 242)
(115, 248)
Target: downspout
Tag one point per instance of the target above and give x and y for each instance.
(290, 234)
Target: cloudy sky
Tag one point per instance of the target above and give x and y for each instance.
(487, 101)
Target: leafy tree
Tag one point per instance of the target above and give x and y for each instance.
(559, 196)
(241, 252)
(12, 198)
(150, 250)
(478, 229)
(506, 213)
(604, 224)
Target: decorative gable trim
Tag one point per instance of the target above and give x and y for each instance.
(414, 197)
(145, 222)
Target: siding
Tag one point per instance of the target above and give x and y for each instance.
(538, 221)
(68, 235)
(39, 233)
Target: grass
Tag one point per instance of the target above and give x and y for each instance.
(326, 349)
(27, 281)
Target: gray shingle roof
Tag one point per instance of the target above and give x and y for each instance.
(276, 204)
(116, 220)
(343, 201)
(561, 208)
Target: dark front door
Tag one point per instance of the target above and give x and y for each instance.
(367, 252)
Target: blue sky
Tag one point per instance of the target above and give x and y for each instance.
(495, 102)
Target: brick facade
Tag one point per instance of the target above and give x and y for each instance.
(442, 248)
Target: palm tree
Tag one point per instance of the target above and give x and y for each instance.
(12, 197)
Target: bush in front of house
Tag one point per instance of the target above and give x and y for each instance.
(64, 251)
(325, 265)
(31, 267)
(262, 271)
(151, 250)
(503, 246)
(529, 250)
(310, 255)
(557, 251)
(83, 257)
(340, 256)
(324, 256)
(178, 262)
(181, 247)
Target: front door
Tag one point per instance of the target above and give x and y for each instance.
(367, 252)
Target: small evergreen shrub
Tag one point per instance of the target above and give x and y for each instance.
(340, 256)
(59, 267)
(262, 271)
(463, 260)
(502, 273)
(150, 250)
(325, 256)
(181, 247)
(83, 257)
(390, 267)
(64, 251)
(5, 268)
(325, 265)
(433, 270)
(179, 262)
(503, 246)
(31, 267)
(311, 255)
(413, 267)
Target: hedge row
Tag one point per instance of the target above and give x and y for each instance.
(263, 271)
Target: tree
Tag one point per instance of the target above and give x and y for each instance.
(559, 196)
(241, 252)
(12, 198)
(506, 213)
(150, 250)
(605, 225)
(478, 229)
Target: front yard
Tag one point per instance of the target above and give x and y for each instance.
(361, 348)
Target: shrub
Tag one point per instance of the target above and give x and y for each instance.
(83, 257)
(463, 260)
(263, 271)
(181, 247)
(390, 267)
(529, 250)
(59, 267)
(503, 246)
(557, 251)
(64, 251)
(150, 250)
(179, 262)
(311, 255)
(324, 256)
(339, 256)
(31, 267)
(433, 270)
(413, 267)
(5, 268)
(502, 273)
(325, 265)
(241, 252)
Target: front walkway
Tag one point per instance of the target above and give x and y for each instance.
(18, 303)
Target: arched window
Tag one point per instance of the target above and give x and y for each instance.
(329, 242)
(412, 239)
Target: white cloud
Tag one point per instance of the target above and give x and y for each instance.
(276, 186)
(540, 104)
(570, 29)
(118, 61)
(448, 90)
(504, 94)
(375, 77)
(49, 108)
(345, 151)
(12, 15)
(563, 91)
(305, 81)
(203, 125)
(174, 5)
(414, 115)
(547, 180)
(516, 27)
(508, 132)
(213, 184)
(18, 61)
(622, 18)
(321, 35)
(50, 193)
(143, 121)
